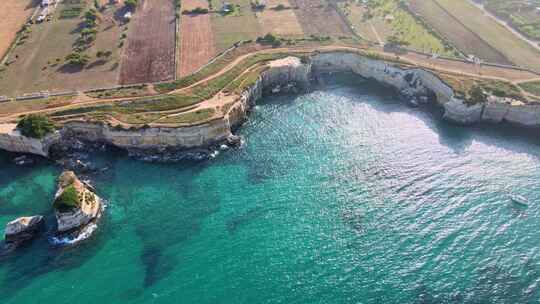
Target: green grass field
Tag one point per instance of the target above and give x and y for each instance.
(241, 24)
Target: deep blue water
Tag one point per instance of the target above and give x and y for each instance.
(341, 195)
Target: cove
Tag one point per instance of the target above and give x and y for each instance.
(341, 195)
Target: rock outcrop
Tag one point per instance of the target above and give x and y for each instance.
(85, 208)
(12, 140)
(23, 228)
(20, 231)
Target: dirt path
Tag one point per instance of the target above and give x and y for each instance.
(459, 68)
(374, 30)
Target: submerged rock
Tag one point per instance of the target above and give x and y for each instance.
(24, 160)
(76, 206)
(234, 141)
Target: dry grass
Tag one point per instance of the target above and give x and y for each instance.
(280, 22)
(13, 14)
(40, 62)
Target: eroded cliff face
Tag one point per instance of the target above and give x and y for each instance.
(415, 85)
(281, 72)
(12, 140)
(149, 138)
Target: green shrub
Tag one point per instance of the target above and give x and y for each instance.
(69, 199)
(77, 59)
(131, 4)
(35, 126)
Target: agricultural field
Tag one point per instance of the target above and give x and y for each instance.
(39, 62)
(522, 15)
(196, 39)
(320, 18)
(500, 38)
(363, 27)
(466, 40)
(13, 14)
(385, 21)
(239, 24)
(279, 19)
(149, 54)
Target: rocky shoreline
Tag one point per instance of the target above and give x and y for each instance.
(291, 74)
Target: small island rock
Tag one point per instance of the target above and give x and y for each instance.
(75, 204)
(23, 229)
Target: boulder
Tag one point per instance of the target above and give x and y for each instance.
(23, 229)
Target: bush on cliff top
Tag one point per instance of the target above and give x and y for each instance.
(69, 199)
(35, 126)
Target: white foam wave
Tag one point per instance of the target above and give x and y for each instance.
(85, 233)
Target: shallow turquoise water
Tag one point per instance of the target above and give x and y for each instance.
(342, 195)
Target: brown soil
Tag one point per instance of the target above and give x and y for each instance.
(319, 18)
(149, 55)
(196, 39)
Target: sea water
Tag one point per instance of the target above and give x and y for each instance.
(340, 195)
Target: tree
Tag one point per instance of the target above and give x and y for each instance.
(77, 59)
(103, 54)
(269, 39)
(476, 95)
(35, 126)
(90, 17)
(131, 4)
(68, 200)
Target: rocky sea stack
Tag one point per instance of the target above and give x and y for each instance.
(76, 207)
(20, 231)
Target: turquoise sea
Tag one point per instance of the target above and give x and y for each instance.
(340, 195)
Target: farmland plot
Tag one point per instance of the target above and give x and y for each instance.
(282, 22)
(38, 63)
(13, 14)
(516, 50)
(241, 24)
(150, 51)
(318, 17)
(452, 29)
(196, 39)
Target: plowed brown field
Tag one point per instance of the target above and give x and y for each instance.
(319, 18)
(149, 55)
(196, 39)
